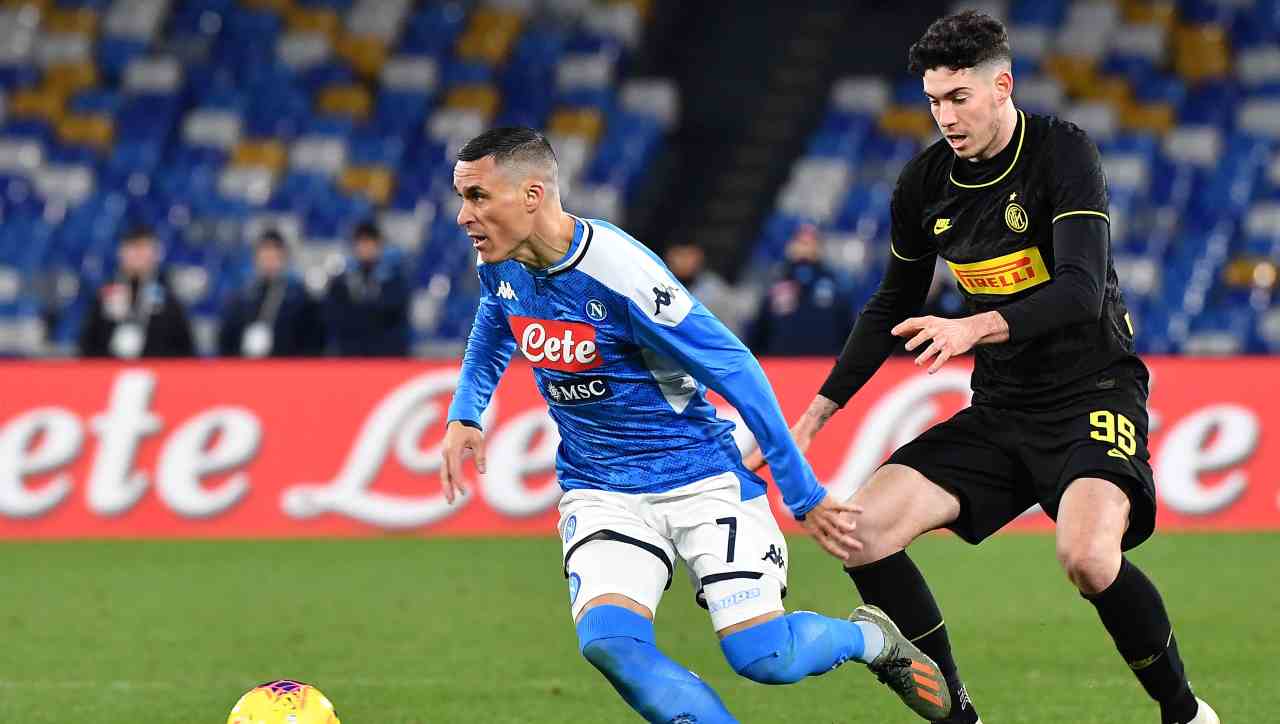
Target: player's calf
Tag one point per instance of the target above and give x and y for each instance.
(621, 645)
(788, 648)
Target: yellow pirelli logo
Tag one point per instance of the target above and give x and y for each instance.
(1008, 274)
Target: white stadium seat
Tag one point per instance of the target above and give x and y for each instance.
(1098, 119)
(1195, 145)
(252, 184)
(302, 50)
(210, 127)
(867, 95)
(585, 70)
(70, 184)
(657, 97)
(318, 154)
(60, 48)
(1260, 117)
(153, 75)
(418, 73)
(20, 155)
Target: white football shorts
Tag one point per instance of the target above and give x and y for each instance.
(628, 544)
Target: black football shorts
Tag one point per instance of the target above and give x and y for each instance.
(1000, 461)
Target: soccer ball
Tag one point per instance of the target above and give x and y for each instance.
(283, 702)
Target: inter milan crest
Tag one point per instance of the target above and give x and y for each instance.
(1015, 216)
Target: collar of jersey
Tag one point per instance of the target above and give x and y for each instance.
(582, 233)
(1017, 152)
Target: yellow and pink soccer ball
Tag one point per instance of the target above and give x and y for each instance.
(283, 702)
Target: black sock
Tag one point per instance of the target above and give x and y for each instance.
(1134, 614)
(895, 585)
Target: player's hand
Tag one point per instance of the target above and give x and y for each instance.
(831, 524)
(947, 338)
(801, 433)
(459, 441)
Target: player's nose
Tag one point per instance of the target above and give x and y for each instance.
(464, 215)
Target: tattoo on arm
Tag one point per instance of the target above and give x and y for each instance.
(820, 410)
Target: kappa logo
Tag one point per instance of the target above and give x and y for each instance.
(506, 291)
(941, 225)
(661, 297)
(774, 556)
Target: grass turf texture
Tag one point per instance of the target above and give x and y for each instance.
(427, 631)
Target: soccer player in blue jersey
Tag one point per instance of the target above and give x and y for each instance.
(623, 355)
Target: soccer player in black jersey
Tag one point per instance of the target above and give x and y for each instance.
(1016, 205)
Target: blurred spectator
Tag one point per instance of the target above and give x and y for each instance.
(273, 316)
(805, 310)
(137, 314)
(368, 304)
(732, 305)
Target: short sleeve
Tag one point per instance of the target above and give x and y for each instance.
(1078, 186)
(909, 242)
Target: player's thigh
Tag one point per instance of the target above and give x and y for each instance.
(611, 554)
(1093, 515)
(1103, 436)
(736, 555)
(968, 459)
(899, 504)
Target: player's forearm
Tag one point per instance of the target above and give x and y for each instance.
(489, 349)
(748, 390)
(817, 414)
(989, 328)
(902, 294)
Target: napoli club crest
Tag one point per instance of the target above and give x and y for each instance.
(596, 311)
(575, 584)
(570, 527)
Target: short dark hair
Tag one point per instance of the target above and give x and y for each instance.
(136, 233)
(508, 144)
(271, 237)
(962, 40)
(367, 229)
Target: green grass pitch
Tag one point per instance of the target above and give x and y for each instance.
(434, 631)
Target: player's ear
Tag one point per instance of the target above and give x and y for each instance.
(1003, 82)
(534, 193)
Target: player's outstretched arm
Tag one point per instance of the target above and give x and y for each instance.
(902, 293)
(489, 349)
(687, 333)
(802, 431)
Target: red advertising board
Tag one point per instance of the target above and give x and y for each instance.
(330, 448)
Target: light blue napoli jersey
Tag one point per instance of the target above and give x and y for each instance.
(623, 356)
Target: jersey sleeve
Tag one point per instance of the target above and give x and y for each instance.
(666, 319)
(1078, 186)
(908, 240)
(902, 293)
(489, 348)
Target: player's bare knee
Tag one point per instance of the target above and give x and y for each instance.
(1090, 565)
(615, 599)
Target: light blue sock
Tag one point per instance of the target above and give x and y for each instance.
(784, 650)
(620, 644)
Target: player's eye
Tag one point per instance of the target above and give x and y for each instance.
(960, 99)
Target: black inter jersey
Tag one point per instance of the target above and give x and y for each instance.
(1024, 233)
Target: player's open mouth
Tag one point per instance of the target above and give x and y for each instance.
(478, 240)
(955, 139)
